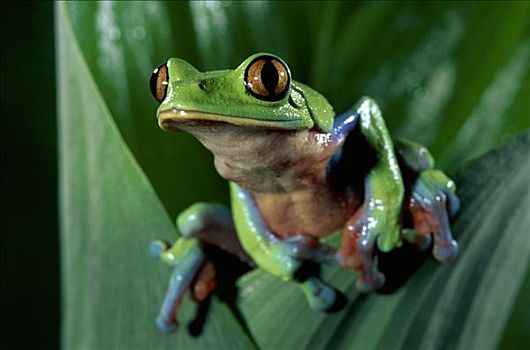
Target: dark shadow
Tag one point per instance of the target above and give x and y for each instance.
(399, 265)
(308, 269)
(339, 304)
(196, 326)
(228, 269)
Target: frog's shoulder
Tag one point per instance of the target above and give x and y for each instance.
(321, 110)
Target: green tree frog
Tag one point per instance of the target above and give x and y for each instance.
(298, 173)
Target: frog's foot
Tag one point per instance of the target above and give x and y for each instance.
(186, 258)
(358, 253)
(369, 278)
(200, 223)
(319, 295)
(433, 198)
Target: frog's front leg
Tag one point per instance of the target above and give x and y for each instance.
(433, 196)
(378, 220)
(208, 223)
(282, 258)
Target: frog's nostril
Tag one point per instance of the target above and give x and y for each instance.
(201, 86)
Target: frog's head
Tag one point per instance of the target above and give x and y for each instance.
(259, 93)
(261, 126)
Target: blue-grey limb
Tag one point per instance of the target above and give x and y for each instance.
(433, 199)
(185, 257)
(434, 193)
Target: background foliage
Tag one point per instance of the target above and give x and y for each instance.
(443, 73)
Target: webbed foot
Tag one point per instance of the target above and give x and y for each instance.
(200, 223)
(357, 252)
(433, 199)
(369, 282)
(186, 259)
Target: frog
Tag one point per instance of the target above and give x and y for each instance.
(298, 173)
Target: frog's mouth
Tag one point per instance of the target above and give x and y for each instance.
(177, 119)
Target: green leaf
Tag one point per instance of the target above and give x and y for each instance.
(109, 215)
(462, 304)
(443, 75)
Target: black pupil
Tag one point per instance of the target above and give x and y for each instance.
(269, 77)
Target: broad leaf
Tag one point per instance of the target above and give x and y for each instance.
(110, 214)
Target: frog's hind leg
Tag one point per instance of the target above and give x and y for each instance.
(200, 223)
(212, 224)
(432, 200)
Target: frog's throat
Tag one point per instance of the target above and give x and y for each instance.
(171, 119)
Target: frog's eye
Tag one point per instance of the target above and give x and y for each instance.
(267, 78)
(159, 81)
